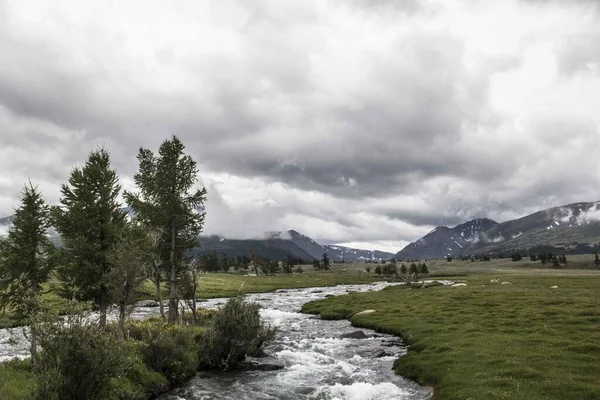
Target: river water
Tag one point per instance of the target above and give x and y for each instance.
(317, 363)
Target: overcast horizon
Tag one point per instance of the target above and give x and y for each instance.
(353, 122)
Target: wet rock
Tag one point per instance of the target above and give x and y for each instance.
(393, 343)
(252, 366)
(354, 335)
(316, 291)
(147, 303)
(380, 353)
(329, 295)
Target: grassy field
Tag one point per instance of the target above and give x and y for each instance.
(231, 284)
(226, 285)
(488, 340)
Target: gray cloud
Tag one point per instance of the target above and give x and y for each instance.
(353, 104)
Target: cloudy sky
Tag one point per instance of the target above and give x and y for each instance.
(352, 121)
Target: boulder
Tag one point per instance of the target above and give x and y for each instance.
(459, 284)
(380, 353)
(147, 303)
(554, 287)
(354, 335)
(365, 312)
(432, 284)
(506, 283)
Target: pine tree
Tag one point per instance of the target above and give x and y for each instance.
(25, 260)
(413, 269)
(167, 201)
(403, 269)
(90, 222)
(325, 261)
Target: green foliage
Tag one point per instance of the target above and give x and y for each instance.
(167, 203)
(389, 269)
(378, 270)
(236, 330)
(16, 380)
(413, 269)
(403, 269)
(325, 261)
(90, 222)
(79, 360)
(173, 351)
(25, 256)
(423, 269)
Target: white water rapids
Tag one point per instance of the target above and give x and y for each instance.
(318, 364)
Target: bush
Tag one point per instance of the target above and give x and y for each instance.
(172, 350)
(78, 360)
(236, 330)
(299, 270)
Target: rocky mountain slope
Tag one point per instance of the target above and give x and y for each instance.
(573, 228)
(443, 241)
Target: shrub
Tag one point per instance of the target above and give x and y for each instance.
(172, 350)
(299, 270)
(78, 360)
(236, 330)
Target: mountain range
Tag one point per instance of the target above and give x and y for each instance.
(275, 246)
(574, 228)
(280, 245)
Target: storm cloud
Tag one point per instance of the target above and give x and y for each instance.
(350, 121)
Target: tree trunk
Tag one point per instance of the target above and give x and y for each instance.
(33, 333)
(122, 319)
(102, 305)
(173, 306)
(160, 300)
(194, 314)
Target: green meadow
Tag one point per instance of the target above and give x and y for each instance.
(524, 339)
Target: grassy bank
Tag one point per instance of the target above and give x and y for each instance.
(226, 285)
(522, 340)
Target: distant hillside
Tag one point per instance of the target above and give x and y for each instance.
(273, 248)
(334, 252)
(339, 253)
(574, 228)
(443, 241)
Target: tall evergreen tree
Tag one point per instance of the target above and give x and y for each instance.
(167, 202)
(325, 261)
(90, 221)
(24, 259)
